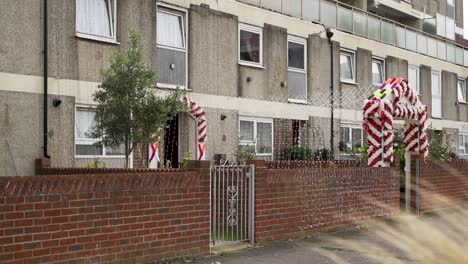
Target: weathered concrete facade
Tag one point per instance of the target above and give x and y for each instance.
(214, 72)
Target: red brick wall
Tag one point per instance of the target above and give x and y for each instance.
(292, 202)
(107, 218)
(440, 181)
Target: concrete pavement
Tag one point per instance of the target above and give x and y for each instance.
(359, 246)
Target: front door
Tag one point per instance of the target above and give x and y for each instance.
(171, 143)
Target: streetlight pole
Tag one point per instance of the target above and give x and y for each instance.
(332, 151)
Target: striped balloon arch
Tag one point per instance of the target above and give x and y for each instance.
(394, 100)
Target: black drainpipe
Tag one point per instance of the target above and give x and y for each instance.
(46, 48)
(332, 150)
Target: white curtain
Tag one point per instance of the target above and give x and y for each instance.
(264, 141)
(94, 17)
(84, 122)
(169, 30)
(461, 91)
(346, 67)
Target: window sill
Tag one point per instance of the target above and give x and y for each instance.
(171, 86)
(253, 65)
(464, 103)
(97, 38)
(99, 157)
(297, 101)
(349, 82)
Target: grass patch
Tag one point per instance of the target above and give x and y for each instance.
(226, 234)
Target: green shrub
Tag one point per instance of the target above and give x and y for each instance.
(296, 153)
(245, 152)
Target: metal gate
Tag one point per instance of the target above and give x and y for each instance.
(232, 204)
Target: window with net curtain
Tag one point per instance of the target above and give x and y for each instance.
(378, 75)
(347, 66)
(461, 87)
(95, 17)
(413, 78)
(170, 30)
(85, 143)
(257, 136)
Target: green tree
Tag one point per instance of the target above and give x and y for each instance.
(129, 112)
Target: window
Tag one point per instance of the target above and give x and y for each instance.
(171, 47)
(250, 45)
(461, 87)
(413, 78)
(378, 71)
(256, 135)
(85, 143)
(451, 9)
(351, 138)
(299, 133)
(463, 144)
(436, 95)
(95, 19)
(297, 65)
(347, 66)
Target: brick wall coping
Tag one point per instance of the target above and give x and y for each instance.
(73, 170)
(77, 183)
(293, 164)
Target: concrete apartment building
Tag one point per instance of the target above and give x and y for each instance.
(261, 70)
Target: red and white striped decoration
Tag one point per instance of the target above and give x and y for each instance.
(199, 114)
(378, 114)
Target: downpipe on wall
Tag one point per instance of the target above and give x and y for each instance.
(46, 73)
(332, 150)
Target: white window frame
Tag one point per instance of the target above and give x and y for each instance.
(384, 74)
(89, 141)
(112, 40)
(417, 86)
(351, 128)
(166, 8)
(253, 143)
(463, 135)
(352, 55)
(466, 90)
(441, 94)
(255, 30)
(300, 41)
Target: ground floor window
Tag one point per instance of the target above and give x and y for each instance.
(256, 135)
(86, 145)
(351, 138)
(463, 144)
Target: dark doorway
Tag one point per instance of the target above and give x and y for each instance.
(171, 144)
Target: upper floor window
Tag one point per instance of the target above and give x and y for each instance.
(347, 73)
(297, 69)
(171, 39)
(250, 45)
(436, 88)
(461, 87)
(96, 19)
(378, 71)
(413, 78)
(451, 9)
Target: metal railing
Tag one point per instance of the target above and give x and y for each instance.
(362, 23)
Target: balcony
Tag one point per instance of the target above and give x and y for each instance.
(352, 20)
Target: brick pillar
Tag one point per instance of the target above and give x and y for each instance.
(41, 164)
(203, 167)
